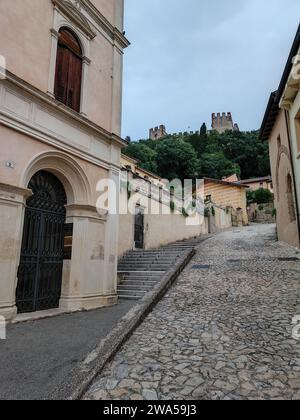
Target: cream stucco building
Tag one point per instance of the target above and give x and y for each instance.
(228, 194)
(60, 116)
(281, 128)
(255, 184)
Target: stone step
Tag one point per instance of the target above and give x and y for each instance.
(140, 271)
(150, 261)
(148, 255)
(177, 245)
(128, 297)
(134, 292)
(152, 251)
(141, 256)
(145, 267)
(143, 273)
(147, 260)
(146, 274)
(134, 288)
(138, 282)
(180, 248)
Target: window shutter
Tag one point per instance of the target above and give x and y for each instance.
(74, 82)
(62, 70)
(68, 71)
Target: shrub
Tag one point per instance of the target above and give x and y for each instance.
(263, 196)
(260, 196)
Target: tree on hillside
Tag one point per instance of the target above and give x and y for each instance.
(203, 130)
(145, 155)
(214, 154)
(199, 141)
(246, 150)
(176, 159)
(216, 165)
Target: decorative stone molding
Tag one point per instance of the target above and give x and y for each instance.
(69, 172)
(14, 194)
(85, 211)
(293, 85)
(30, 111)
(113, 32)
(282, 151)
(74, 14)
(67, 14)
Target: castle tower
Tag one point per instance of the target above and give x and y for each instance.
(157, 133)
(224, 122)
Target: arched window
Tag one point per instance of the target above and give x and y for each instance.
(290, 199)
(68, 70)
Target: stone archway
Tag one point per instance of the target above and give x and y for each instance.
(71, 181)
(42, 253)
(67, 170)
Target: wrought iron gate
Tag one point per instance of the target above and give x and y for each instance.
(41, 263)
(139, 229)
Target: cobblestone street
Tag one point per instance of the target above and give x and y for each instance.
(224, 331)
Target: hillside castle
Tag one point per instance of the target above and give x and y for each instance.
(158, 133)
(220, 123)
(223, 122)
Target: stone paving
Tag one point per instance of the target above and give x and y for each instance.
(224, 331)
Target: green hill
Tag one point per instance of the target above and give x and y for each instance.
(207, 154)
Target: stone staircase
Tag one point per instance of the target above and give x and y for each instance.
(139, 271)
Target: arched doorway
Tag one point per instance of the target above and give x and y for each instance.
(41, 263)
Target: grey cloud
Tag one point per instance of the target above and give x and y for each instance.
(190, 58)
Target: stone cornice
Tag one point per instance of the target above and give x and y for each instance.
(15, 190)
(292, 86)
(111, 137)
(112, 31)
(13, 193)
(85, 211)
(74, 14)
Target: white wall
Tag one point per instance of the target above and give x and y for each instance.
(162, 229)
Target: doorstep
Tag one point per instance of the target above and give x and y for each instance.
(35, 316)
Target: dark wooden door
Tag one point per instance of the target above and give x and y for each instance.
(41, 263)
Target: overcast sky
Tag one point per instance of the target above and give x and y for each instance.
(190, 58)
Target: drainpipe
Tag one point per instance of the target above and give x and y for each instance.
(286, 113)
